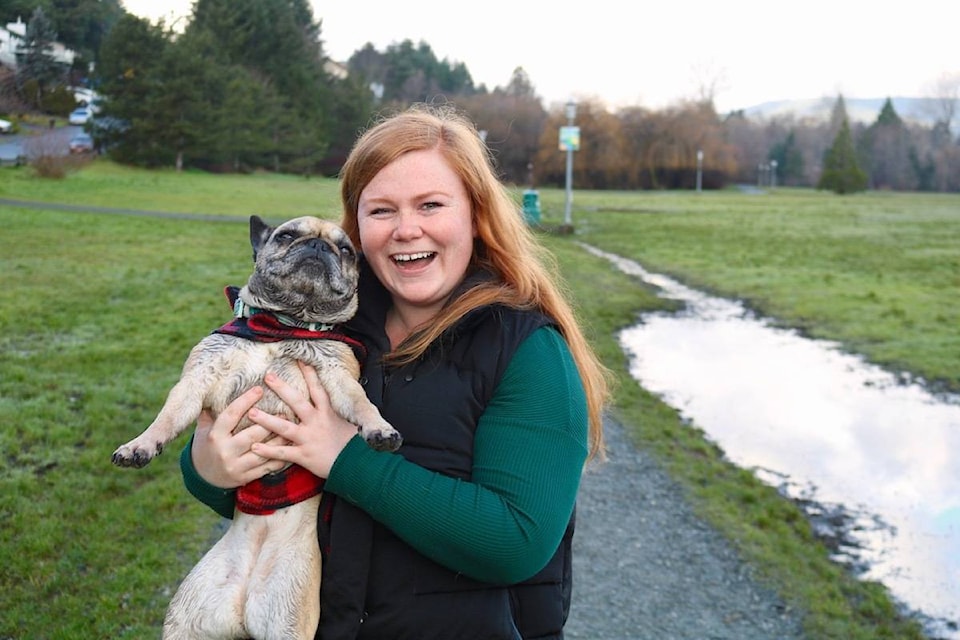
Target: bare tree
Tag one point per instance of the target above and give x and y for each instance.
(709, 80)
(945, 94)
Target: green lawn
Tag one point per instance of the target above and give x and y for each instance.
(99, 311)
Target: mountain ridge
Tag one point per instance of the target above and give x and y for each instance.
(863, 110)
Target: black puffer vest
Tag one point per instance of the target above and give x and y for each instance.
(376, 586)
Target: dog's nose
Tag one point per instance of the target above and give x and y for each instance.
(319, 245)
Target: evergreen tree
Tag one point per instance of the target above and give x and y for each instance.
(413, 74)
(789, 160)
(886, 152)
(838, 115)
(38, 72)
(130, 82)
(80, 25)
(278, 42)
(186, 101)
(841, 172)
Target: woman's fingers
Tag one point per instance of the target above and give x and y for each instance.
(275, 454)
(228, 420)
(318, 393)
(298, 403)
(273, 425)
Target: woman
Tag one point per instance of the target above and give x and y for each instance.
(476, 358)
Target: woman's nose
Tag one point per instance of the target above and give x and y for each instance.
(408, 226)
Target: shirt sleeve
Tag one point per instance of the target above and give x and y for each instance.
(529, 450)
(220, 500)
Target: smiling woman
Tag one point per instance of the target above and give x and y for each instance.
(415, 223)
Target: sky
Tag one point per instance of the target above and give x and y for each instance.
(630, 54)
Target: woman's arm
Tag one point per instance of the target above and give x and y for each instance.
(530, 447)
(220, 500)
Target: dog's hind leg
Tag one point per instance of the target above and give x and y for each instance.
(283, 597)
(209, 603)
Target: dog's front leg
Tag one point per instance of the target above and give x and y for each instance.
(350, 401)
(181, 409)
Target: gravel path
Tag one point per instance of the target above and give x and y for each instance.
(646, 567)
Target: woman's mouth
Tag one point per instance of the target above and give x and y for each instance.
(412, 259)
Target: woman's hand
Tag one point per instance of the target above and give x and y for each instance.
(317, 440)
(223, 459)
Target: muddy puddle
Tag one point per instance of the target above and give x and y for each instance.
(871, 458)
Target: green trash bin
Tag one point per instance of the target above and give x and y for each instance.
(531, 206)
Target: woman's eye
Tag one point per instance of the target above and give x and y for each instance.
(431, 205)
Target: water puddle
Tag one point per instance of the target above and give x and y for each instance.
(871, 459)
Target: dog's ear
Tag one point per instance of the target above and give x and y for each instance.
(259, 234)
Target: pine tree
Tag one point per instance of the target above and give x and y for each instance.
(129, 82)
(36, 66)
(887, 153)
(841, 172)
(838, 115)
(789, 160)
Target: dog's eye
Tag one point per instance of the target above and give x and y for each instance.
(284, 237)
(346, 251)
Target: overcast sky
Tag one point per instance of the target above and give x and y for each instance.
(751, 51)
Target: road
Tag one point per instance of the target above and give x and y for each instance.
(34, 138)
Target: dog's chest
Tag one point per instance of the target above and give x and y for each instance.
(237, 365)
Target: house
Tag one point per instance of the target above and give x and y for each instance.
(13, 35)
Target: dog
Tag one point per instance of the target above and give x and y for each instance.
(262, 578)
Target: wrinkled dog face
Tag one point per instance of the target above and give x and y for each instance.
(305, 268)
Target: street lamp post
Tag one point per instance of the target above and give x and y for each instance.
(699, 170)
(571, 110)
(773, 174)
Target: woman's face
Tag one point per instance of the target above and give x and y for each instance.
(416, 230)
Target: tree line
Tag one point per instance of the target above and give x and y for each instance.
(246, 85)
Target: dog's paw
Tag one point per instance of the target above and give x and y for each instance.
(383, 439)
(137, 456)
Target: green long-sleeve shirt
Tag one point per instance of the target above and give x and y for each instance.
(504, 524)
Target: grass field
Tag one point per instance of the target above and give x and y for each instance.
(99, 311)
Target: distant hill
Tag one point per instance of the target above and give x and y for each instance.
(919, 110)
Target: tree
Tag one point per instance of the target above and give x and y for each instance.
(789, 160)
(131, 86)
(945, 93)
(278, 42)
(838, 115)
(841, 172)
(413, 74)
(513, 120)
(886, 152)
(80, 25)
(36, 66)
(189, 120)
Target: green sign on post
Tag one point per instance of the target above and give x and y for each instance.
(569, 138)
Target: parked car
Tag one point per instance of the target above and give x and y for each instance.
(6, 126)
(81, 143)
(80, 115)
